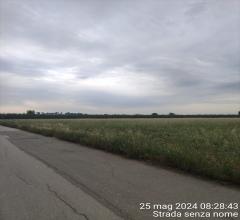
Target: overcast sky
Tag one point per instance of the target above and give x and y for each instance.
(113, 56)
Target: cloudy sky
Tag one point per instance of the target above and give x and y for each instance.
(109, 56)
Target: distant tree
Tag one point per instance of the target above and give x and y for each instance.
(171, 114)
(30, 112)
(154, 114)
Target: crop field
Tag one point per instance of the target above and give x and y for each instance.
(209, 147)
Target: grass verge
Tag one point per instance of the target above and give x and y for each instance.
(209, 147)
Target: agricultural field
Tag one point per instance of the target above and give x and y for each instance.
(209, 147)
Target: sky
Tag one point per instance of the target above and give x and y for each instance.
(130, 56)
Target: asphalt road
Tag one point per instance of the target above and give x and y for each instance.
(30, 190)
(46, 178)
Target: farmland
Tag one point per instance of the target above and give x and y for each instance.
(209, 147)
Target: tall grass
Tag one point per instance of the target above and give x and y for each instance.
(210, 147)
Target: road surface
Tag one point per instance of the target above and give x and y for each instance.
(46, 178)
(29, 190)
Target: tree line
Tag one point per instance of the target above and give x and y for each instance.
(31, 114)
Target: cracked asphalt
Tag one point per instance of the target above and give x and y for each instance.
(31, 190)
(46, 178)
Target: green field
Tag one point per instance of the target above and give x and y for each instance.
(210, 147)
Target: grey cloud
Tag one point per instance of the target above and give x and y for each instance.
(196, 8)
(187, 45)
(108, 99)
(23, 67)
(229, 87)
